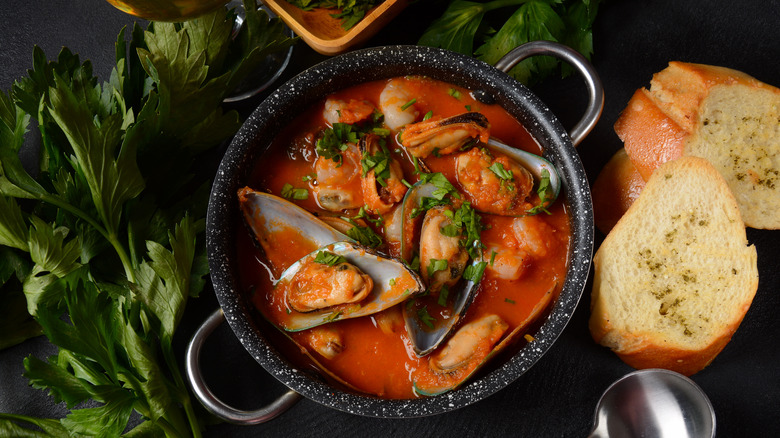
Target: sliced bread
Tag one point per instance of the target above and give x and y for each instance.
(723, 115)
(675, 276)
(615, 189)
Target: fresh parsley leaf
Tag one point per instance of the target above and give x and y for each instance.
(289, 192)
(379, 163)
(545, 193)
(465, 22)
(336, 140)
(435, 265)
(474, 272)
(328, 258)
(450, 230)
(504, 174)
(444, 293)
(425, 317)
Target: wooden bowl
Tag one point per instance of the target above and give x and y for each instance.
(324, 33)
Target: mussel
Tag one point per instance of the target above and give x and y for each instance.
(372, 281)
(391, 283)
(470, 347)
(445, 135)
(425, 331)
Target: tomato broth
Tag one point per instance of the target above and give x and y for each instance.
(377, 356)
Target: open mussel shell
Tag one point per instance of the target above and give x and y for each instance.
(266, 215)
(424, 337)
(394, 282)
(449, 381)
(535, 164)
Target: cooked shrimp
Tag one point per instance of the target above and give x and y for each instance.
(338, 182)
(533, 234)
(393, 103)
(381, 192)
(352, 111)
(506, 263)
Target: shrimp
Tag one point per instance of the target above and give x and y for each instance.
(352, 111)
(530, 240)
(393, 103)
(533, 234)
(338, 183)
(381, 192)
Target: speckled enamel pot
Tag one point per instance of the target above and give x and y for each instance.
(344, 71)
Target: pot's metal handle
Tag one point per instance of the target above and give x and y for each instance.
(209, 400)
(586, 70)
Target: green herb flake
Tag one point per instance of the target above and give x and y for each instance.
(492, 257)
(510, 301)
(428, 115)
(499, 171)
(392, 282)
(408, 104)
(474, 272)
(328, 258)
(289, 192)
(425, 317)
(450, 230)
(443, 295)
(545, 194)
(336, 140)
(436, 265)
(454, 93)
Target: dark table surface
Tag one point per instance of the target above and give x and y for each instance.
(557, 397)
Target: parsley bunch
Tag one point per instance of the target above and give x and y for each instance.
(465, 23)
(102, 244)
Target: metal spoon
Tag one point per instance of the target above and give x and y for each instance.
(654, 403)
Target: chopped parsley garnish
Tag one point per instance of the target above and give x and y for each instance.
(379, 163)
(336, 140)
(406, 183)
(415, 264)
(328, 258)
(309, 177)
(492, 257)
(392, 282)
(290, 192)
(454, 93)
(468, 219)
(450, 230)
(544, 192)
(363, 214)
(474, 272)
(364, 235)
(436, 265)
(425, 317)
(428, 115)
(504, 174)
(408, 104)
(510, 301)
(443, 294)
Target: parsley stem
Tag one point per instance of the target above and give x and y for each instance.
(111, 237)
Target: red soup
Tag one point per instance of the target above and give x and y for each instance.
(354, 157)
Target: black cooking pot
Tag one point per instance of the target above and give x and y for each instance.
(284, 105)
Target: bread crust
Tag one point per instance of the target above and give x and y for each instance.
(668, 121)
(615, 284)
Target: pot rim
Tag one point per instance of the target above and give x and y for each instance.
(365, 65)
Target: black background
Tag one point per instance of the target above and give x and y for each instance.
(557, 397)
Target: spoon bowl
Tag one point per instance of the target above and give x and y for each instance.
(654, 403)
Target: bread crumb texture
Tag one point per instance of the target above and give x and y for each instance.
(676, 272)
(739, 133)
